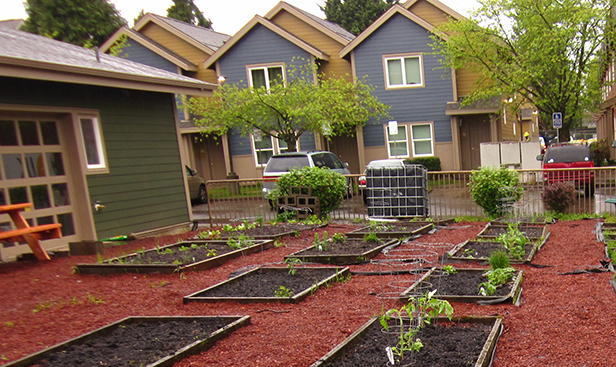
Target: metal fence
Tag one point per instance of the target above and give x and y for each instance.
(238, 200)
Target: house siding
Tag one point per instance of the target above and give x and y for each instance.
(427, 104)
(134, 51)
(259, 46)
(429, 13)
(144, 188)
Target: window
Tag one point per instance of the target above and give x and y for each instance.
(92, 143)
(266, 76)
(404, 71)
(420, 138)
(397, 145)
(266, 146)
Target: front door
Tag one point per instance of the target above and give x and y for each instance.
(34, 168)
(474, 130)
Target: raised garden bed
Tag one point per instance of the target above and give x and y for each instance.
(532, 232)
(468, 341)
(392, 230)
(275, 231)
(537, 221)
(437, 221)
(194, 255)
(262, 284)
(347, 251)
(138, 341)
(609, 231)
(473, 250)
(463, 286)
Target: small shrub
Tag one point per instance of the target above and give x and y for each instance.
(486, 186)
(329, 186)
(600, 152)
(431, 163)
(558, 196)
(499, 259)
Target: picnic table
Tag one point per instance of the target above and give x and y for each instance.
(31, 235)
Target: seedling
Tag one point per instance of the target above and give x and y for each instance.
(240, 242)
(283, 292)
(496, 278)
(339, 237)
(95, 300)
(514, 241)
(210, 234)
(371, 237)
(292, 263)
(468, 253)
(321, 244)
(211, 253)
(449, 269)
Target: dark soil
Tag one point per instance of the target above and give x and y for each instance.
(269, 231)
(348, 246)
(388, 227)
(136, 343)
(463, 283)
(264, 282)
(482, 250)
(181, 254)
(447, 345)
(531, 232)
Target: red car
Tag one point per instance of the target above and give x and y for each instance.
(569, 156)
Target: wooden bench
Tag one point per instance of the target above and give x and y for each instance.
(24, 232)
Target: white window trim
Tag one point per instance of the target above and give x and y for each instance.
(249, 68)
(275, 148)
(389, 143)
(413, 140)
(102, 166)
(410, 140)
(402, 57)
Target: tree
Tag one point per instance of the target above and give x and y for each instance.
(543, 52)
(355, 15)
(331, 106)
(81, 22)
(187, 11)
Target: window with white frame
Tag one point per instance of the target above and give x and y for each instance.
(404, 71)
(398, 145)
(266, 76)
(266, 146)
(421, 136)
(93, 143)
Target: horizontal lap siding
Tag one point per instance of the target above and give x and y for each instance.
(259, 46)
(144, 188)
(401, 35)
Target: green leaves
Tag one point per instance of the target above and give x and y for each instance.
(329, 106)
(491, 188)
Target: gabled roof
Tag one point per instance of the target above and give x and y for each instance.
(447, 10)
(13, 24)
(204, 39)
(25, 55)
(151, 45)
(396, 9)
(333, 30)
(258, 20)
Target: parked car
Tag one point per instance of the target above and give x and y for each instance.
(569, 156)
(196, 186)
(280, 164)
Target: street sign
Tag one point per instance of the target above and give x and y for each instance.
(557, 120)
(393, 127)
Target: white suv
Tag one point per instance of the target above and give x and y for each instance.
(280, 164)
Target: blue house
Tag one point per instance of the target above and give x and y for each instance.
(426, 118)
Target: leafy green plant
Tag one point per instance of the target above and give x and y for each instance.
(371, 237)
(496, 278)
(486, 187)
(286, 216)
(321, 244)
(209, 234)
(468, 252)
(240, 242)
(329, 186)
(292, 263)
(283, 292)
(449, 269)
(558, 196)
(499, 259)
(424, 309)
(211, 253)
(513, 241)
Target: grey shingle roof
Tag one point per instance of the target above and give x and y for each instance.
(148, 39)
(207, 37)
(11, 23)
(327, 24)
(25, 49)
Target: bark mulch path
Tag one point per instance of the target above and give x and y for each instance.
(563, 320)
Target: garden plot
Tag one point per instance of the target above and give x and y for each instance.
(194, 255)
(342, 252)
(392, 229)
(139, 341)
(284, 285)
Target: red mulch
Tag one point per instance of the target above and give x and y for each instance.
(564, 320)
